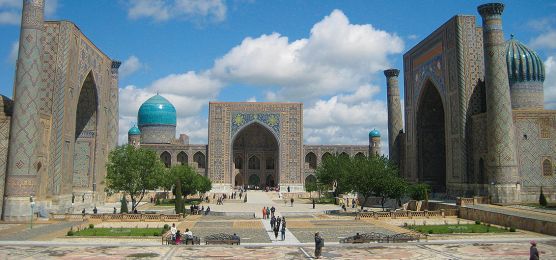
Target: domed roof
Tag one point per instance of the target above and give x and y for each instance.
(134, 131)
(523, 63)
(374, 133)
(156, 111)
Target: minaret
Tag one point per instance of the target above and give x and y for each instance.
(113, 109)
(374, 143)
(21, 179)
(501, 156)
(394, 114)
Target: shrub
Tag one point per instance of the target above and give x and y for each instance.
(477, 222)
(542, 199)
(70, 233)
(430, 231)
(156, 234)
(157, 201)
(166, 226)
(123, 207)
(91, 226)
(512, 229)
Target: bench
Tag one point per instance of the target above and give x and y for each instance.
(222, 238)
(167, 240)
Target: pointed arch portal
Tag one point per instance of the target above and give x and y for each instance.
(259, 146)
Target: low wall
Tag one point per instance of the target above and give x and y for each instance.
(519, 222)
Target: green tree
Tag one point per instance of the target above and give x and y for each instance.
(419, 191)
(334, 172)
(542, 199)
(133, 171)
(123, 206)
(187, 182)
(311, 186)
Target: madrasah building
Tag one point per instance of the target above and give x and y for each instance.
(474, 122)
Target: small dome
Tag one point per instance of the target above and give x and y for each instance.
(157, 111)
(523, 63)
(374, 133)
(134, 131)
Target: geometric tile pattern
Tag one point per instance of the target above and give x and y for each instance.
(395, 123)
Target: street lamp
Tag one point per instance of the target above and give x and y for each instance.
(32, 210)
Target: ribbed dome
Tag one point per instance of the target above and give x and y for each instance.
(374, 133)
(134, 131)
(523, 63)
(157, 111)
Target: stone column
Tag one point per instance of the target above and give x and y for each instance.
(113, 119)
(501, 155)
(395, 124)
(21, 181)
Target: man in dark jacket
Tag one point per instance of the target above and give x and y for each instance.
(533, 252)
(319, 243)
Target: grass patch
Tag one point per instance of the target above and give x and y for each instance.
(463, 228)
(119, 232)
(325, 200)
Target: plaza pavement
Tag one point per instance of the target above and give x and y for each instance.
(47, 240)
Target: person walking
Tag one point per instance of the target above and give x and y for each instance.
(283, 232)
(533, 252)
(272, 221)
(264, 213)
(272, 211)
(267, 212)
(278, 222)
(291, 200)
(276, 229)
(319, 243)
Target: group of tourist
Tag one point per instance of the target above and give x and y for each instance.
(195, 210)
(275, 223)
(177, 236)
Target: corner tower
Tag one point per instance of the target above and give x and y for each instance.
(374, 142)
(22, 180)
(394, 114)
(501, 155)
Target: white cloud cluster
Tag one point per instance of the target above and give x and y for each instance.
(130, 66)
(330, 71)
(546, 40)
(12, 58)
(337, 56)
(10, 10)
(550, 83)
(161, 10)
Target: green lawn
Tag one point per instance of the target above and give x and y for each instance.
(119, 232)
(171, 202)
(463, 228)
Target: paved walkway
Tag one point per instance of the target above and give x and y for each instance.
(38, 231)
(290, 238)
(515, 212)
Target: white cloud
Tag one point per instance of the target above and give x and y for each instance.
(251, 99)
(159, 10)
(337, 56)
(10, 11)
(545, 40)
(12, 58)
(130, 66)
(189, 92)
(550, 83)
(413, 36)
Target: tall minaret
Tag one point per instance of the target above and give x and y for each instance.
(501, 156)
(394, 114)
(21, 179)
(374, 143)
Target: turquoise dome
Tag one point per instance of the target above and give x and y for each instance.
(157, 111)
(374, 133)
(134, 131)
(523, 63)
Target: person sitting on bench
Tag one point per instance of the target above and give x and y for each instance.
(188, 236)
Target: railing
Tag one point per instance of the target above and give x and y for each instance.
(118, 217)
(472, 201)
(407, 214)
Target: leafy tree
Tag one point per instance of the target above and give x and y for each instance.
(542, 199)
(334, 171)
(311, 186)
(179, 204)
(133, 171)
(187, 182)
(419, 191)
(123, 207)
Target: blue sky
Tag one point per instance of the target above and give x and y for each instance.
(327, 54)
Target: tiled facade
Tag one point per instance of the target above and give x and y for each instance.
(70, 121)
(461, 134)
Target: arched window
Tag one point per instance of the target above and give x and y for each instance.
(199, 158)
(166, 158)
(360, 155)
(326, 155)
(238, 161)
(182, 158)
(269, 163)
(546, 167)
(311, 159)
(344, 154)
(254, 163)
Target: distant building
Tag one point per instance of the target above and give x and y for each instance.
(249, 144)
